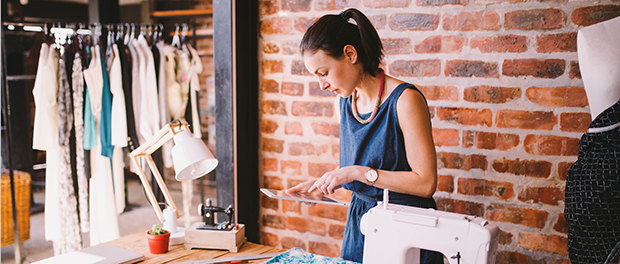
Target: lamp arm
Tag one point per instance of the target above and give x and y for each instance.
(162, 184)
(147, 188)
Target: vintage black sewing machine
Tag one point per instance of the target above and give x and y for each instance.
(208, 211)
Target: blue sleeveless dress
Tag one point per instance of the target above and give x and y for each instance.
(379, 145)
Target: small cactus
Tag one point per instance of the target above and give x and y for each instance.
(156, 230)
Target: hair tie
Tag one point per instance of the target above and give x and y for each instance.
(344, 16)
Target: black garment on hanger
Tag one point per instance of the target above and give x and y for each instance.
(592, 206)
(126, 65)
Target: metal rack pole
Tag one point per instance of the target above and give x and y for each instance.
(7, 122)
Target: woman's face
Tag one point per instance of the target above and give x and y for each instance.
(340, 76)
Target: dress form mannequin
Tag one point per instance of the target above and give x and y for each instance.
(598, 48)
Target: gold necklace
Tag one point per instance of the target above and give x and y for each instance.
(377, 104)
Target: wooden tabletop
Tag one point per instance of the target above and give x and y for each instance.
(137, 242)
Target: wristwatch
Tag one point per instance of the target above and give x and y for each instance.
(371, 176)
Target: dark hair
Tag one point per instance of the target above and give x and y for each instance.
(332, 32)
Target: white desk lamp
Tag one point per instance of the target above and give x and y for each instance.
(192, 159)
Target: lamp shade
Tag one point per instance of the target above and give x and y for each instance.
(192, 159)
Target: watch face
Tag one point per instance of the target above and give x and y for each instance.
(371, 175)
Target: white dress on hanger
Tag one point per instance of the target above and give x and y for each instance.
(45, 134)
(103, 212)
(164, 110)
(119, 128)
(149, 112)
(194, 87)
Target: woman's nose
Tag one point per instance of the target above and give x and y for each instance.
(323, 84)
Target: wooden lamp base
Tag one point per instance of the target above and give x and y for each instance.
(214, 239)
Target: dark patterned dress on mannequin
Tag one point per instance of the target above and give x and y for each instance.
(593, 192)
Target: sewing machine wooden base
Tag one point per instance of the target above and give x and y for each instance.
(214, 239)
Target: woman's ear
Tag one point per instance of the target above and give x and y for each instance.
(350, 53)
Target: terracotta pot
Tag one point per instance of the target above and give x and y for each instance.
(158, 244)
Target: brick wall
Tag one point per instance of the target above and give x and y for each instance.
(506, 97)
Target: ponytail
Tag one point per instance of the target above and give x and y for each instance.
(332, 32)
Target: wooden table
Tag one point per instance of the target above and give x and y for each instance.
(178, 253)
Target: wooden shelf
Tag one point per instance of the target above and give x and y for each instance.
(200, 33)
(182, 13)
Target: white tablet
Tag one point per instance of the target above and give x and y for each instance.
(302, 197)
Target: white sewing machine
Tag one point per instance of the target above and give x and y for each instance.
(396, 233)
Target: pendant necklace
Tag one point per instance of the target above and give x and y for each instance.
(377, 104)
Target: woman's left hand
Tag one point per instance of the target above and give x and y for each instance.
(333, 180)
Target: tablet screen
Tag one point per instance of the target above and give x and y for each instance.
(302, 197)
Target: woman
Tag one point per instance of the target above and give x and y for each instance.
(389, 145)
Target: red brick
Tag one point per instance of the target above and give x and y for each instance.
(271, 86)
(324, 249)
(461, 162)
(558, 96)
(460, 206)
(302, 24)
(336, 231)
(517, 215)
(541, 242)
(270, 164)
(445, 183)
(575, 122)
(539, 68)
(273, 182)
(386, 4)
(445, 137)
(334, 4)
(480, 187)
(529, 168)
(273, 66)
(326, 129)
(563, 42)
(306, 149)
(312, 109)
(296, 5)
(298, 68)
(267, 7)
(551, 145)
(273, 221)
(563, 168)
(442, 2)
(271, 48)
(304, 225)
(292, 89)
(272, 145)
(291, 242)
(318, 169)
(534, 19)
(293, 128)
(466, 68)
(469, 139)
(395, 46)
(560, 225)
(546, 195)
(539, 120)
(500, 43)
(511, 257)
(290, 167)
(334, 212)
(466, 116)
(290, 182)
(291, 206)
(315, 90)
(269, 239)
(431, 110)
(441, 44)
(268, 202)
(290, 47)
(470, 21)
(413, 22)
(274, 107)
(440, 92)
(417, 68)
(574, 71)
(276, 25)
(585, 16)
(505, 238)
(336, 151)
(491, 94)
(499, 141)
(379, 21)
(268, 126)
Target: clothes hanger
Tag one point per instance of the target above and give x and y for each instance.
(127, 37)
(176, 42)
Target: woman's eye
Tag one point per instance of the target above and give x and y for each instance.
(323, 74)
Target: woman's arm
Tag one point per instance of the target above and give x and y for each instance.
(415, 124)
